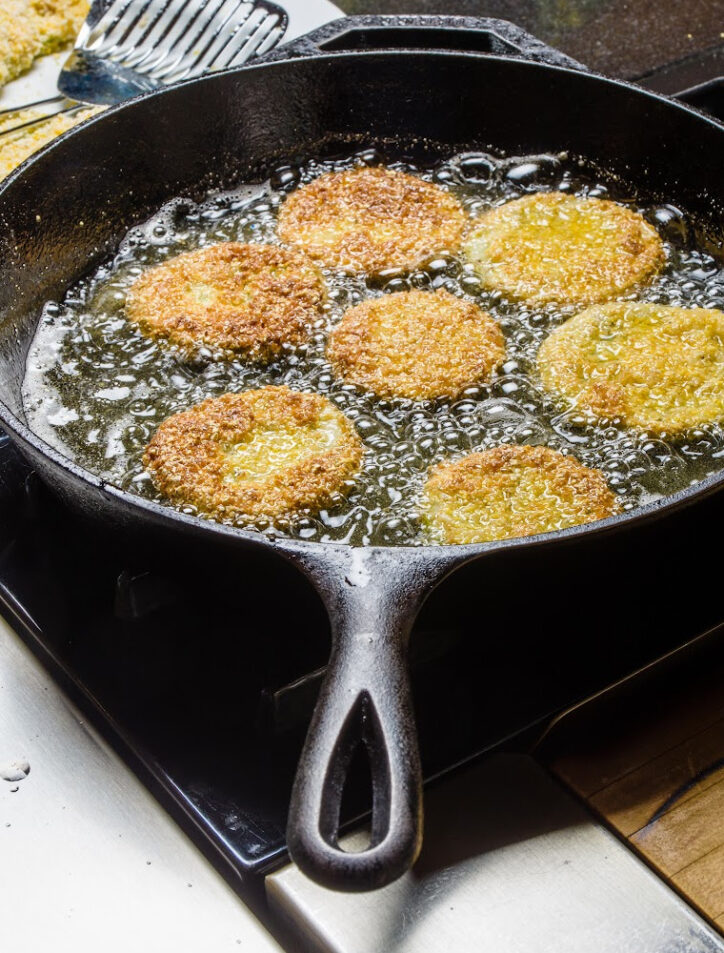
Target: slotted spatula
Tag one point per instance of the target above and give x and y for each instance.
(126, 47)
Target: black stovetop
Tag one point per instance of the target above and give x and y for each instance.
(204, 679)
(669, 45)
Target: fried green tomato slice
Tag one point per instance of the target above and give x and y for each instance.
(32, 28)
(512, 491)
(251, 299)
(260, 454)
(369, 219)
(553, 248)
(656, 367)
(416, 344)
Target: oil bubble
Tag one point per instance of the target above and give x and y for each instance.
(476, 167)
(285, 177)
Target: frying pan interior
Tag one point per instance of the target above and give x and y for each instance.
(68, 208)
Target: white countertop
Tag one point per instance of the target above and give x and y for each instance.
(90, 861)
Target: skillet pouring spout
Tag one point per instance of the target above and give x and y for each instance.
(372, 597)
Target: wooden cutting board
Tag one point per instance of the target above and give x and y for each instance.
(648, 758)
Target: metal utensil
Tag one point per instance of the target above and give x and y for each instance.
(126, 47)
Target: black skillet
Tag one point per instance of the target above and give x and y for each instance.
(448, 84)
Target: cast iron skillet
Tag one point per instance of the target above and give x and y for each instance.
(67, 208)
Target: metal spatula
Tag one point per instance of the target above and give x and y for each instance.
(126, 47)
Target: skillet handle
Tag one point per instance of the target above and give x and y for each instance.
(372, 598)
(477, 35)
(707, 97)
(365, 699)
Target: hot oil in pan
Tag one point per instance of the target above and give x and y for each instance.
(97, 388)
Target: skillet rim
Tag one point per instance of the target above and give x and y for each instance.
(169, 517)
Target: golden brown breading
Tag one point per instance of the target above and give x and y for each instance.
(254, 299)
(557, 248)
(31, 28)
(512, 491)
(416, 344)
(368, 219)
(654, 366)
(259, 454)
(16, 147)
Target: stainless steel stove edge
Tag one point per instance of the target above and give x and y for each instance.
(511, 862)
